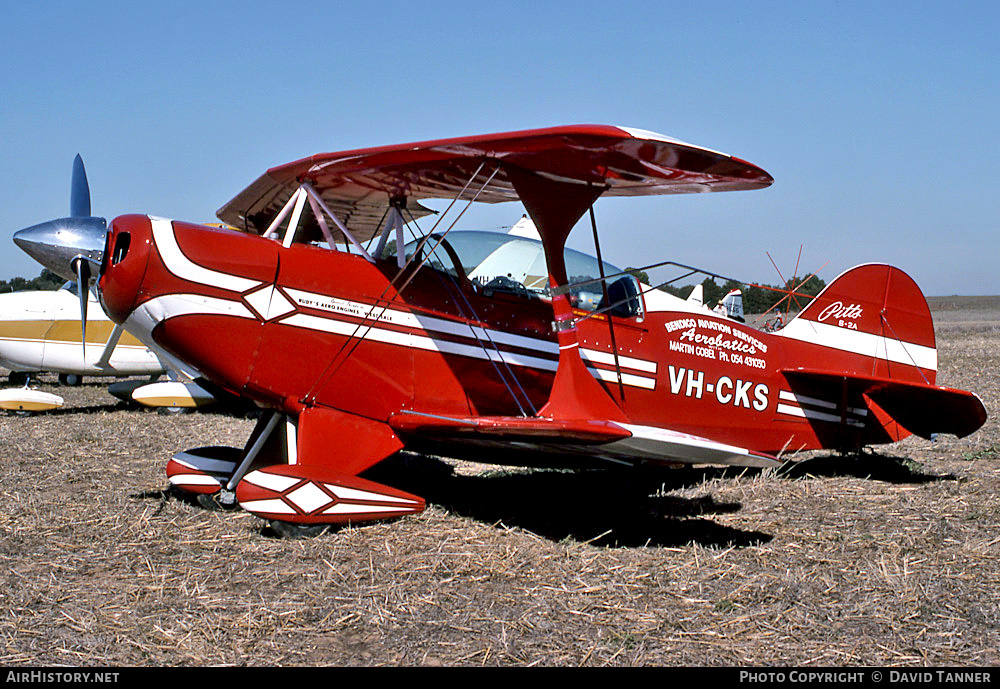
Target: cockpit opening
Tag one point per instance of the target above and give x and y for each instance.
(496, 262)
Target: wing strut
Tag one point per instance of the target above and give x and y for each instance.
(607, 299)
(440, 238)
(295, 204)
(109, 347)
(555, 207)
(394, 223)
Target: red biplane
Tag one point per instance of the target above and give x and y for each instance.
(494, 347)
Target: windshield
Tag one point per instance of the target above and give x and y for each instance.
(497, 262)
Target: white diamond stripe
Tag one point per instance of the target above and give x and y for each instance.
(279, 305)
(348, 508)
(269, 302)
(269, 481)
(267, 506)
(193, 480)
(308, 498)
(260, 300)
(354, 494)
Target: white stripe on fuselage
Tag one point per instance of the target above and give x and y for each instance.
(816, 415)
(408, 319)
(162, 308)
(181, 266)
(858, 342)
(424, 342)
(148, 314)
(159, 309)
(815, 402)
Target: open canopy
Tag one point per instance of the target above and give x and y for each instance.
(358, 184)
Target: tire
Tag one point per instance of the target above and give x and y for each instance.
(292, 531)
(17, 378)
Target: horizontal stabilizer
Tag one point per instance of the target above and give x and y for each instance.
(536, 429)
(920, 408)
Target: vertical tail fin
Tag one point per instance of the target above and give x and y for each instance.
(872, 320)
(871, 379)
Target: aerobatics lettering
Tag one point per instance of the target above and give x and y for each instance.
(745, 344)
(717, 340)
(736, 393)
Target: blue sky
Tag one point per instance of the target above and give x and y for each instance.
(879, 121)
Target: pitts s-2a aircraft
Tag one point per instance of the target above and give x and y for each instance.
(494, 347)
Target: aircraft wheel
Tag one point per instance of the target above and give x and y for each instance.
(70, 379)
(171, 411)
(290, 530)
(17, 378)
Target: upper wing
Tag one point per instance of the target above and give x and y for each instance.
(358, 184)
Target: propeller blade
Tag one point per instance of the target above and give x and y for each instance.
(79, 197)
(83, 289)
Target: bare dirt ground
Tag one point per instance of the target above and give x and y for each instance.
(890, 559)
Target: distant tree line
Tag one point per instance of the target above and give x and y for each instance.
(46, 280)
(759, 300)
(755, 299)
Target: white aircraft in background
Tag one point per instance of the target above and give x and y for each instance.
(40, 331)
(731, 306)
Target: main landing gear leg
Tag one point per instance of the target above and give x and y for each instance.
(321, 488)
(212, 473)
(300, 475)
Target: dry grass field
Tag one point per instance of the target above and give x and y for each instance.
(888, 559)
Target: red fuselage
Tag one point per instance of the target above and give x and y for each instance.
(305, 326)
